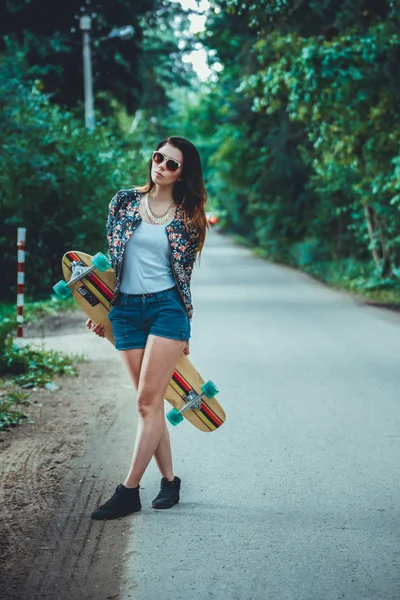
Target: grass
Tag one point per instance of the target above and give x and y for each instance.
(23, 368)
(26, 368)
(382, 297)
(11, 398)
(33, 311)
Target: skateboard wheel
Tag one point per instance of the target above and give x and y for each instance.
(210, 389)
(101, 262)
(174, 417)
(62, 289)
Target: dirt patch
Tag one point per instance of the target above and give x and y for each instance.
(35, 460)
(54, 471)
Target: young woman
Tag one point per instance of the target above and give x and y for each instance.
(154, 235)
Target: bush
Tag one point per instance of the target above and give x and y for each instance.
(24, 368)
(305, 253)
(56, 179)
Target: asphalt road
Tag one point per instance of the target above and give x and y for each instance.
(297, 496)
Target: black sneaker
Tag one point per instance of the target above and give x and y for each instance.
(124, 502)
(168, 494)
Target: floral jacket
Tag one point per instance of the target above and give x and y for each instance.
(124, 218)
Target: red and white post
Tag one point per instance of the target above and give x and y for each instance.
(21, 237)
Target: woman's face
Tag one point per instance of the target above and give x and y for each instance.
(160, 173)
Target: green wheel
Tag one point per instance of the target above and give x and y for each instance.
(210, 389)
(62, 289)
(101, 262)
(174, 417)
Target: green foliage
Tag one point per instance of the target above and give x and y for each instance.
(123, 71)
(344, 92)
(9, 415)
(55, 179)
(40, 366)
(34, 311)
(28, 365)
(6, 345)
(24, 367)
(307, 133)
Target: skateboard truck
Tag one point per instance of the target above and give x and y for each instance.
(79, 270)
(193, 401)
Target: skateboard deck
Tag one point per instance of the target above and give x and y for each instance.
(93, 292)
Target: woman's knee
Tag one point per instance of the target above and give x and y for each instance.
(149, 402)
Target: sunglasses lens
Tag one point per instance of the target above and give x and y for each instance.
(172, 165)
(158, 158)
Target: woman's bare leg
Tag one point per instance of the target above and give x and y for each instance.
(163, 455)
(133, 360)
(158, 364)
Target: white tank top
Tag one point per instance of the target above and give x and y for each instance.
(147, 265)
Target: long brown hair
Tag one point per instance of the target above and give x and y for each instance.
(190, 193)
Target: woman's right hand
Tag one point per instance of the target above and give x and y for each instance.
(97, 329)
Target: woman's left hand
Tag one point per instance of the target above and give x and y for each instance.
(186, 349)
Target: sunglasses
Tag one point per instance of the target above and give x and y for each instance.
(171, 164)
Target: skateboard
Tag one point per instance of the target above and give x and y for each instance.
(91, 281)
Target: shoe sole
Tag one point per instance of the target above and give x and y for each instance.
(109, 518)
(165, 506)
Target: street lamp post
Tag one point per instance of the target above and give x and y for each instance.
(126, 32)
(85, 24)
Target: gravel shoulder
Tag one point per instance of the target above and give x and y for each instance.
(54, 471)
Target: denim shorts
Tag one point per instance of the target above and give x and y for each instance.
(134, 317)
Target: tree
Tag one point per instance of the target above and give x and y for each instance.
(56, 179)
(309, 128)
(343, 86)
(123, 71)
